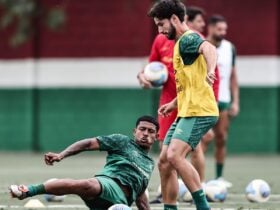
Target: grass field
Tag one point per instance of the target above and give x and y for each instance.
(26, 168)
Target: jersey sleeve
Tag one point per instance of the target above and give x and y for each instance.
(112, 142)
(233, 55)
(189, 45)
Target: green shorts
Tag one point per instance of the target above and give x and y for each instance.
(110, 194)
(223, 106)
(189, 129)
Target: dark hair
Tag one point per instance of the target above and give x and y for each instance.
(193, 11)
(166, 8)
(147, 118)
(214, 19)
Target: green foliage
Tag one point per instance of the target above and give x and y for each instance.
(26, 15)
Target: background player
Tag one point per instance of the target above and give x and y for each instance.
(123, 179)
(228, 90)
(194, 61)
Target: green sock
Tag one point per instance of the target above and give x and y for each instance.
(219, 169)
(170, 207)
(36, 189)
(200, 200)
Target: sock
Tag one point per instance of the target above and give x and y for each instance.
(36, 190)
(200, 200)
(170, 207)
(219, 169)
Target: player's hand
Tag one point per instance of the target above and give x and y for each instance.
(144, 83)
(166, 109)
(50, 158)
(210, 78)
(234, 110)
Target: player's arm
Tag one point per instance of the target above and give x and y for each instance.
(234, 87)
(73, 149)
(142, 202)
(210, 55)
(167, 108)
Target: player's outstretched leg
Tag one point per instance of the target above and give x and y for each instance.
(86, 188)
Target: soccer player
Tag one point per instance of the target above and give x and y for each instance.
(194, 62)
(195, 18)
(123, 179)
(228, 91)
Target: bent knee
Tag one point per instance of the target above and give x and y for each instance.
(89, 188)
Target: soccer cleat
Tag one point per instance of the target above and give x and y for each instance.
(157, 200)
(226, 183)
(18, 191)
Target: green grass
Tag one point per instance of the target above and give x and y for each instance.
(26, 168)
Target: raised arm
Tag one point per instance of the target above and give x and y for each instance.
(210, 55)
(73, 149)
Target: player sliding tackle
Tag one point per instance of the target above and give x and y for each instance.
(123, 179)
(194, 63)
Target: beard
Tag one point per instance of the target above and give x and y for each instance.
(172, 33)
(218, 38)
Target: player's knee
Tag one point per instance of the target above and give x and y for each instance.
(163, 164)
(221, 142)
(173, 157)
(89, 188)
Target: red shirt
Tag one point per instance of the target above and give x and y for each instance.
(162, 50)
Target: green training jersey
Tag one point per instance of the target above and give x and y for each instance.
(127, 162)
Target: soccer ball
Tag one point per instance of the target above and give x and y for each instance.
(215, 191)
(53, 198)
(184, 194)
(119, 207)
(156, 72)
(258, 191)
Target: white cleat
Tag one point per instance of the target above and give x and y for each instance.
(18, 191)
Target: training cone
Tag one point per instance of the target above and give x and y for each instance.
(34, 204)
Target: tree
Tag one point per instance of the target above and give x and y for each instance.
(25, 14)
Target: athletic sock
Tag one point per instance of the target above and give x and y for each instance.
(170, 207)
(219, 169)
(200, 200)
(36, 189)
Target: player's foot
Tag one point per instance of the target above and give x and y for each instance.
(18, 191)
(158, 199)
(226, 183)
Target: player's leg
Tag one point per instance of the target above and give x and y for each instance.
(168, 175)
(206, 139)
(198, 161)
(221, 132)
(186, 137)
(86, 188)
(164, 125)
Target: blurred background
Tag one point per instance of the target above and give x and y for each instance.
(68, 70)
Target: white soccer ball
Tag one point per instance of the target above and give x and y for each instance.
(215, 191)
(156, 72)
(53, 198)
(184, 194)
(119, 207)
(258, 191)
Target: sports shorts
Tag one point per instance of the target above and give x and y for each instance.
(223, 106)
(189, 129)
(111, 194)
